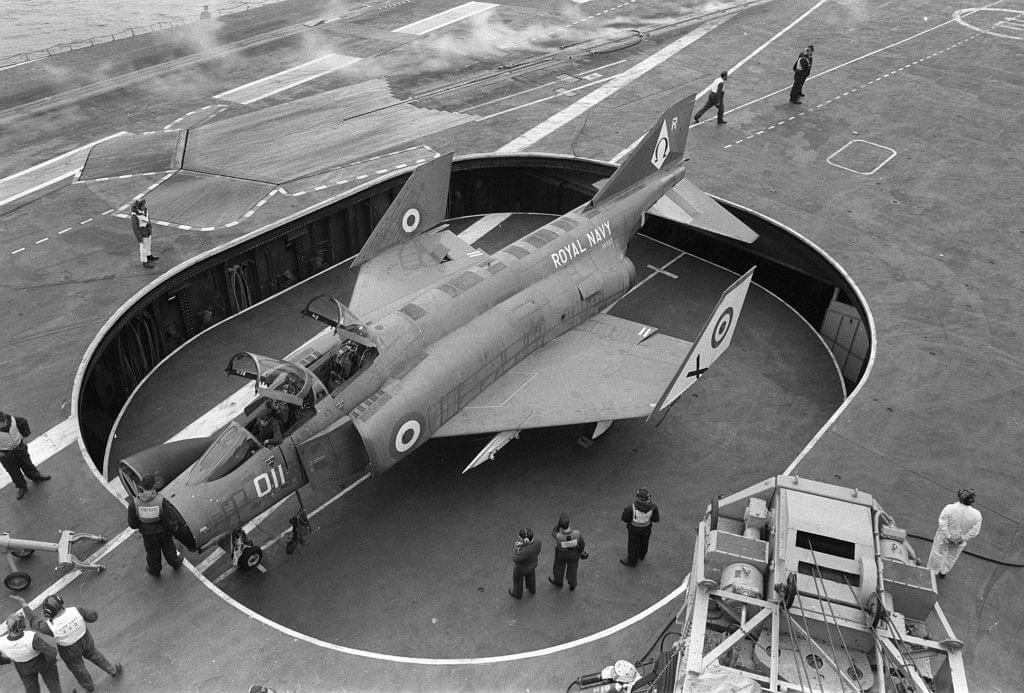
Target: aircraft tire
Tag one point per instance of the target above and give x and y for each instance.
(250, 558)
(17, 581)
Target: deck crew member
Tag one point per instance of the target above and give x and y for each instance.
(32, 655)
(958, 523)
(14, 452)
(638, 518)
(801, 70)
(524, 563)
(716, 98)
(570, 547)
(156, 520)
(67, 626)
(143, 230)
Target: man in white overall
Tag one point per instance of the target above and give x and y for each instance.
(143, 230)
(958, 523)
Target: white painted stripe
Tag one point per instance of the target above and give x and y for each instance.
(443, 19)
(59, 159)
(22, 193)
(286, 79)
(542, 130)
(482, 226)
(46, 445)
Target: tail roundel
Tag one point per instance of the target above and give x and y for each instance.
(714, 339)
(421, 205)
(662, 146)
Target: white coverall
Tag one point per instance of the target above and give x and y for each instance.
(957, 524)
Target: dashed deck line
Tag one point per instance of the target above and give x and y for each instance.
(598, 14)
(850, 91)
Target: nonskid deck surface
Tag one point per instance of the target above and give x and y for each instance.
(423, 528)
(930, 237)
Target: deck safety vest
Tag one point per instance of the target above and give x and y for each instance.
(67, 627)
(149, 511)
(12, 439)
(641, 519)
(20, 649)
(568, 539)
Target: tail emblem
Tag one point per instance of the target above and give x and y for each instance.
(411, 220)
(662, 147)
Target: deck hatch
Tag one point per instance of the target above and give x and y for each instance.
(823, 544)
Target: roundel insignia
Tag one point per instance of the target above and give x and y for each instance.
(406, 435)
(411, 220)
(722, 328)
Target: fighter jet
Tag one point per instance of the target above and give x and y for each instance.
(441, 339)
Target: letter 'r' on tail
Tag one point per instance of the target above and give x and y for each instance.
(714, 339)
(662, 146)
(420, 206)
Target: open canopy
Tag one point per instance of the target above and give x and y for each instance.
(331, 311)
(282, 381)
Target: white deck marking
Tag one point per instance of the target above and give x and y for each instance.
(52, 171)
(482, 226)
(286, 79)
(566, 115)
(660, 270)
(443, 19)
(888, 158)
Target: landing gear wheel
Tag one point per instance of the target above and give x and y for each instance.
(22, 553)
(17, 581)
(250, 558)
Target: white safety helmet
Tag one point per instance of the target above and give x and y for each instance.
(620, 672)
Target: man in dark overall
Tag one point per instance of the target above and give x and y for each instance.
(569, 549)
(638, 518)
(524, 560)
(156, 520)
(14, 452)
(32, 655)
(801, 71)
(67, 626)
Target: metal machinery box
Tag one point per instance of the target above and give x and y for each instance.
(912, 588)
(724, 549)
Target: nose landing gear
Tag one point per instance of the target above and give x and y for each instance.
(244, 552)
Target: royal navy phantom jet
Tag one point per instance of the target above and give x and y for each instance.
(441, 339)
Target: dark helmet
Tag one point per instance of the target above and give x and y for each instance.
(563, 521)
(643, 495)
(526, 533)
(148, 482)
(16, 622)
(965, 496)
(52, 606)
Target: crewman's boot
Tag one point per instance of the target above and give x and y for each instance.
(42, 477)
(153, 258)
(22, 492)
(118, 670)
(147, 265)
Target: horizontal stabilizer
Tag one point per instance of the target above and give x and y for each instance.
(714, 339)
(687, 204)
(420, 205)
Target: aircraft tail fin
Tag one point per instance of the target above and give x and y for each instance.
(714, 339)
(421, 205)
(662, 146)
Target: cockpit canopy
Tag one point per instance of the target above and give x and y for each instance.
(346, 324)
(282, 381)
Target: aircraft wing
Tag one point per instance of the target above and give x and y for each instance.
(606, 368)
(387, 278)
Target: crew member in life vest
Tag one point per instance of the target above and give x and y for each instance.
(638, 518)
(156, 520)
(143, 230)
(14, 452)
(524, 563)
(32, 655)
(67, 627)
(569, 549)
